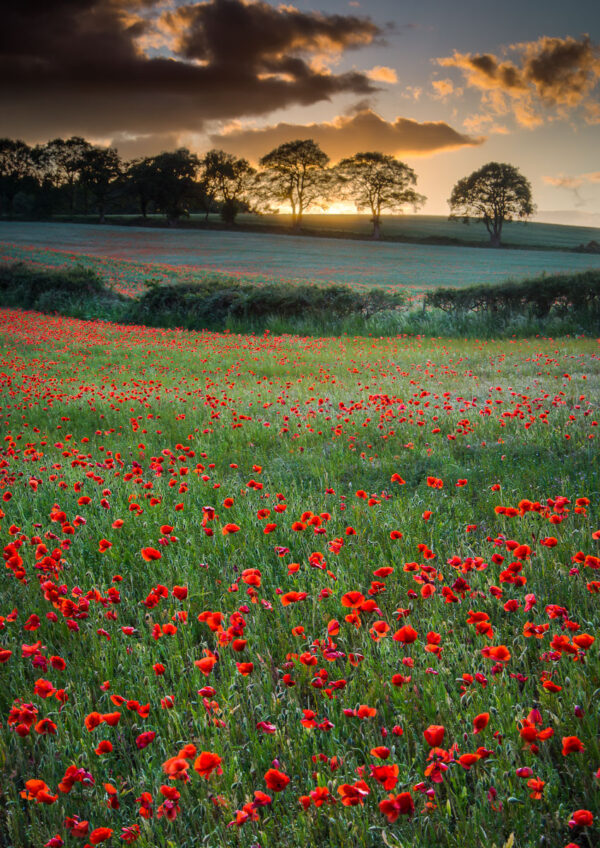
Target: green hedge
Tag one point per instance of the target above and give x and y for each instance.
(30, 287)
(214, 302)
(559, 293)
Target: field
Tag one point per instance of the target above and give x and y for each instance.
(416, 227)
(128, 256)
(524, 234)
(280, 591)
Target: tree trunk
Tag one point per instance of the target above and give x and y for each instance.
(144, 207)
(376, 227)
(496, 233)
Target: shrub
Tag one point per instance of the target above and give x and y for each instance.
(216, 302)
(538, 297)
(30, 287)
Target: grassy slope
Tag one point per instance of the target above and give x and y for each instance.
(418, 227)
(130, 255)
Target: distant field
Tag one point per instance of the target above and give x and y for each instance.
(129, 256)
(438, 226)
(533, 234)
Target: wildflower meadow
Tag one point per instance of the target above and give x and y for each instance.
(270, 590)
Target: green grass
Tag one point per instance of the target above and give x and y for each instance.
(522, 234)
(88, 409)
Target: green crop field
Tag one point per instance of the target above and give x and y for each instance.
(130, 255)
(525, 234)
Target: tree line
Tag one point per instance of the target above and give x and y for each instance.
(72, 176)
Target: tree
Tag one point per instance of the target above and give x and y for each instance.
(100, 170)
(16, 170)
(377, 181)
(295, 172)
(61, 162)
(494, 194)
(139, 174)
(173, 181)
(226, 179)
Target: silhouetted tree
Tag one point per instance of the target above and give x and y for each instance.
(61, 161)
(227, 180)
(494, 194)
(296, 173)
(100, 170)
(16, 171)
(139, 175)
(174, 186)
(377, 181)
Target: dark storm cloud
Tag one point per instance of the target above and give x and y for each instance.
(76, 66)
(258, 35)
(346, 134)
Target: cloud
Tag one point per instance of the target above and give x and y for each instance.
(542, 79)
(478, 123)
(80, 66)
(146, 144)
(347, 134)
(380, 73)
(573, 183)
(444, 88)
(563, 181)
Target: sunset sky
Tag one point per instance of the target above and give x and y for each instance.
(444, 86)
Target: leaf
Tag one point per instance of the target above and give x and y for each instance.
(510, 841)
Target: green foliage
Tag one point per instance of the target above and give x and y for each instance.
(495, 193)
(553, 305)
(214, 302)
(539, 297)
(377, 181)
(35, 288)
(295, 173)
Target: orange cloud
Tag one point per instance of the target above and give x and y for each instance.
(347, 134)
(444, 88)
(381, 73)
(545, 78)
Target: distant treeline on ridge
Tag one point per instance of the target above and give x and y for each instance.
(74, 177)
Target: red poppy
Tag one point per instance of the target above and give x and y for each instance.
(480, 722)
(353, 793)
(406, 635)
(397, 805)
(581, 818)
(352, 599)
(100, 834)
(207, 763)
(434, 735)
(571, 745)
(150, 554)
(276, 780)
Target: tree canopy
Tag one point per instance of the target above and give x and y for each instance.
(495, 193)
(174, 181)
(295, 172)
(16, 166)
(227, 180)
(377, 181)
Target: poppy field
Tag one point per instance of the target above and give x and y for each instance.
(278, 591)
